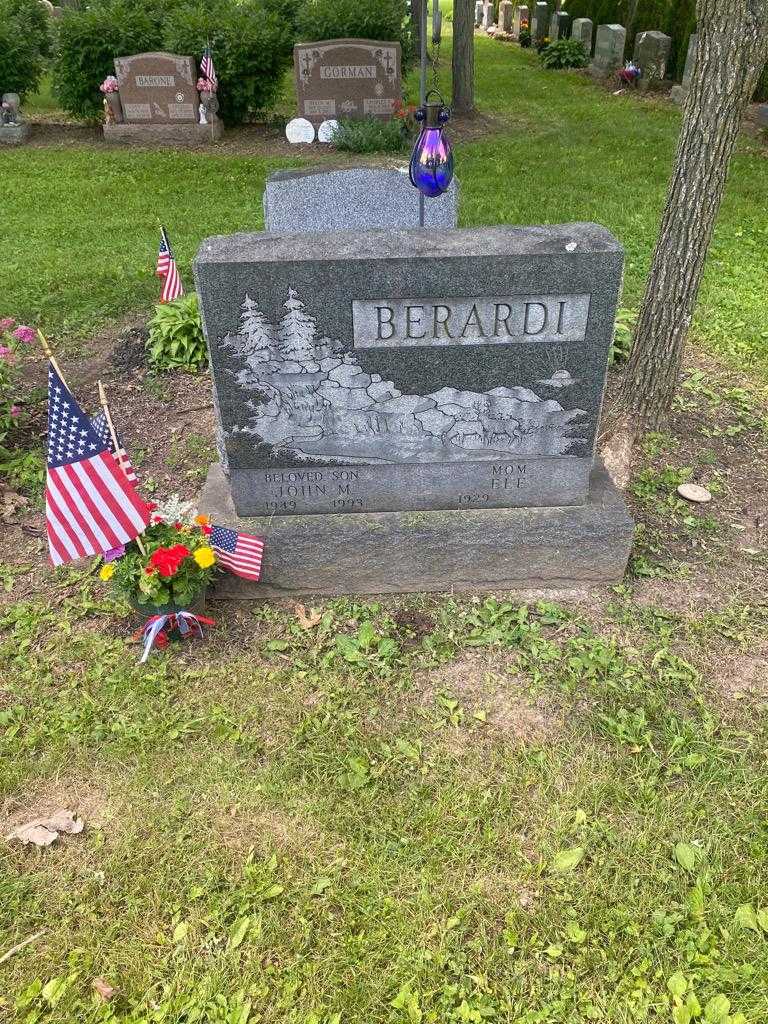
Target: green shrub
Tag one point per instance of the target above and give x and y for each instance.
(89, 41)
(251, 43)
(176, 339)
(252, 46)
(565, 53)
(25, 42)
(525, 39)
(370, 136)
(383, 20)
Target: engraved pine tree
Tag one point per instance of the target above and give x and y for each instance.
(297, 331)
(257, 331)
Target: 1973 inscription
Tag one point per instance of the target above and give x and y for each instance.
(391, 323)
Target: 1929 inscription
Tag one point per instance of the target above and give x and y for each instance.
(389, 323)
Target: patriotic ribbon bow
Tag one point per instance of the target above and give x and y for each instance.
(155, 632)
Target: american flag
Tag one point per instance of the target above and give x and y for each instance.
(100, 425)
(90, 507)
(207, 70)
(238, 552)
(166, 267)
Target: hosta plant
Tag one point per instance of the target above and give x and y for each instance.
(176, 339)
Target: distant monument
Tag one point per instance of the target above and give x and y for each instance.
(347, 78)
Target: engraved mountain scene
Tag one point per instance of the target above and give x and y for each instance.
(313, 399)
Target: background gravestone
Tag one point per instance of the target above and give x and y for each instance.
(522, 16)
(479, 8)
(488, 16)
(679, 92)
(356, 198)
(609, 49)
(559, 26)
(652, 50)
(159, 100)
(540, 22)
(582, 30)
(505, 16)
(434, 397)
(350, 78)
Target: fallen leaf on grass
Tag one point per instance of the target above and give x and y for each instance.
(103, 989)
(567, 860)
(44, 831)
(308, 619)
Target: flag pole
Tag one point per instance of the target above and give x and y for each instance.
(113, 435)
(51, 358)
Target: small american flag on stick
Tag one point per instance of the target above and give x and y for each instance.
(207, 70)
(90, 506)
(239, 553)
(100, 425)
(166, 268)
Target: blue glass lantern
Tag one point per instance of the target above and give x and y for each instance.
(431, 167)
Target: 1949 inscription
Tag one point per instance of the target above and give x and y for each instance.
(390, 323)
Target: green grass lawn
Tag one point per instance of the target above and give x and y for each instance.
(80, 233)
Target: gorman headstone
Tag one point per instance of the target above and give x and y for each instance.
(609, 49)
(582, 30)
(349, 78)
(652, 50)
(159, 99)
(352, 199)
(402, 410)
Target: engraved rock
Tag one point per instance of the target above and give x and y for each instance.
(311, 367)
(329, 363)
(385, 389)
(350, 376)
(435, 422)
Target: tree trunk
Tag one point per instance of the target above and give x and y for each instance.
(731, 52)
(463, 59)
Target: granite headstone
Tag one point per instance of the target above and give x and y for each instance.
(479, 8)
(521, 18)
(393, 370)
(540, 22)
(157, 88)
(651, 54)
(350, 78)
(505, 16)
(582, 30)
(488, 16)
(352, 199)
(609, 49)
(679, 92)
(559, 26)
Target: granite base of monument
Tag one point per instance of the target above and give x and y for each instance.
(408, 552)
(164, 134)
(14, 134)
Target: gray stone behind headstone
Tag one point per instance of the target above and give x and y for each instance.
(582, 30)
(609, 48)
(352, 199)
(651, 55)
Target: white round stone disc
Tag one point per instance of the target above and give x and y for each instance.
(693, 492)
(326, 130)
(300, 130)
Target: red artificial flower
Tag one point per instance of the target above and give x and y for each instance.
(150, 506)
(168, 560)
(177, 526)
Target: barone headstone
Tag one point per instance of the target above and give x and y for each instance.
(609, 49)
(350, 78)
(479, 8)
(159, 99)
(540, 23)
(505, 16)
(521, 18)
(582, 30)
(652, 50)
(352, 199)
(404, 410)
(13, 128)
(679, 92)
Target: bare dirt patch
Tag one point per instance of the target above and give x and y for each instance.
(44, 797)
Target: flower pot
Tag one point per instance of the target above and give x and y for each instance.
(115, 106)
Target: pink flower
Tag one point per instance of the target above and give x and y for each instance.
(7, 323)
(15, 410)
(25, 334)
(4, 351)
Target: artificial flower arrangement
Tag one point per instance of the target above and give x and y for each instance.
(630, 73)
(174, 568)
(12, 339)
(109, 84)
(205, 85)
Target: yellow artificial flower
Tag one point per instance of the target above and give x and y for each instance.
(107, 571)
(204, 557)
